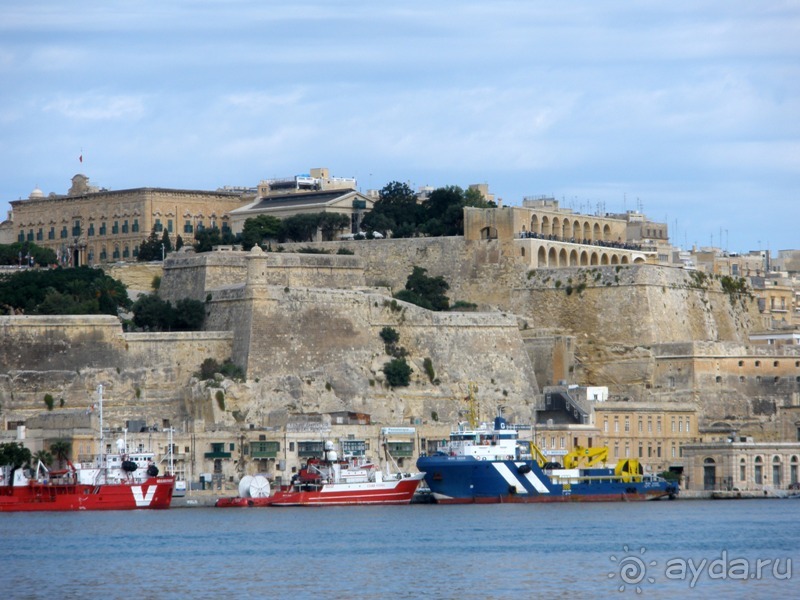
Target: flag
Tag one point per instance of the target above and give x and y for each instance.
(80, 158)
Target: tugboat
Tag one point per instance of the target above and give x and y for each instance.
(329, 481)
(121, 481)
(491, 465)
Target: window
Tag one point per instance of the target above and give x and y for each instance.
(627, 424)
(640, 425)
(680, 426)
(135, 226)
(76, 229)
(658, 425)
(671, 381)
(169, 225)
(649, 425)
(21, 237)
(64, 233)
(627, 451)
(758, 363)
(758, 471)
(605, 425)
(616, 424)
(39, 235)
(673, 424)
(115, 228)
(90, 231)
(641, 450)
(125, 252)
(102, 228)
(616, 451)
(658, 451)
(742, 470)
(125, 226)
(116, 253)
(51, 235)
(187, 227)
(563, 442)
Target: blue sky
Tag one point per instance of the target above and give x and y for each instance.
(688, 110)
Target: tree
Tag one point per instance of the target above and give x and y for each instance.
(189, 315)
(165, 241)
(301, 227)
(332, 223)
(206, 239)
(43, 456)
(257, 229)
(397, 372)
(150, 249)
(78, 290)
(424, 291)
(14, 455)
(61, 449)
(396, 211)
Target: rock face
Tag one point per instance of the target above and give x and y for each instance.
(306, 330)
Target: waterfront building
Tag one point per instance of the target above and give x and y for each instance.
(740, 464)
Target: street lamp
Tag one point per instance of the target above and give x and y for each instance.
(162, 252)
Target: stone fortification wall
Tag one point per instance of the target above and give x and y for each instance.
(635, 304)
(68, 356)
(195, 275)
(137, 277)
(190, 275)
(320, 350)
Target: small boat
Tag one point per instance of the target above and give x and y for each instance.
(491, 465)
(329, 481)
(120, 481)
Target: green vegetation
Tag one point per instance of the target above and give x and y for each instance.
(428, 366)
(389, 335)
(79, 291)
(205, 239)
(442, 213)
(733, 286)
(61, 449)
(155, 314)
(424, 291)
(220, 395)
(463, 306)
(14, 455)
(49, 402)
(210, 367)
(397, 372)
(21, 253)
(257, 230)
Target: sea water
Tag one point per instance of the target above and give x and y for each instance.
(703, 549)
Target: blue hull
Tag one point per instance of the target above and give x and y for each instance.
(463, 479)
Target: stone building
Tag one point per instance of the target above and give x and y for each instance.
(742, 465)
(90, 226)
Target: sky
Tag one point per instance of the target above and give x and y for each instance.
(688, 111)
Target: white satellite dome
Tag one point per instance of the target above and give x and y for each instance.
(36, 193)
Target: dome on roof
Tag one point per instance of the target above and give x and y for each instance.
(36, 193)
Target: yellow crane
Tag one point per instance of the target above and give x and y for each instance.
(585, 458)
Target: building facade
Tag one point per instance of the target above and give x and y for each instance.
(89, 226)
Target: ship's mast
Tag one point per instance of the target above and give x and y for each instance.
(102, 439)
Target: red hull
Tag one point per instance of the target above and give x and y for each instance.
(399, 492)
(344, 494)
(516, 499)
(154, 493)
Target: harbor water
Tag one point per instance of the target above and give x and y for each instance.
(703, 549)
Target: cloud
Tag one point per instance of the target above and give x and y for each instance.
(95, 106)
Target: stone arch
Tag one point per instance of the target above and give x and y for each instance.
(596, 233)
(573, 258)
(562, 258)
(594, 259)
(489, 233)
(584, 258)
(552, 258)
(638, 260)
(542, 257)
(614, 259)
(606, 232)
(556, 227)
(624, 259)
(604, 259)
(587, 230)
(535, 224)
(709, 473)
(576, 231)
(546, 226)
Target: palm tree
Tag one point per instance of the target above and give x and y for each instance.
(42, 456)
(61, 449)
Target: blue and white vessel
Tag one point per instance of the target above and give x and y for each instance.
(491, 465)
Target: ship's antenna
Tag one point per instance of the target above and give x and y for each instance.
(102, 439)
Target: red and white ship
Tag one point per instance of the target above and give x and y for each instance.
(120, 481)
(329, 481)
